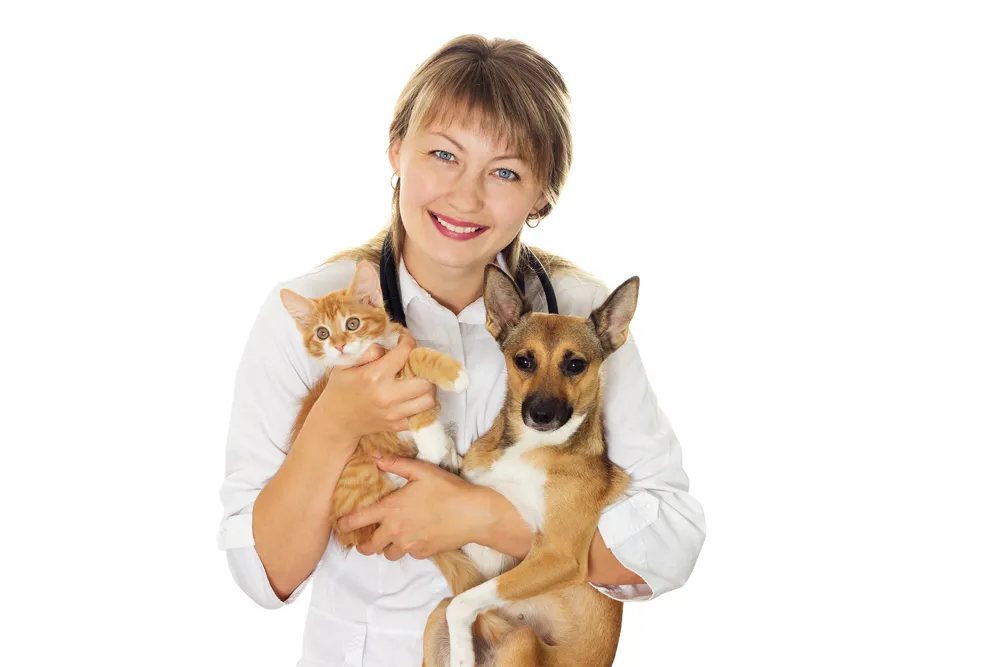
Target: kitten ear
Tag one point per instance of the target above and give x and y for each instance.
(302, 309)
(504, 303)
(612, 318)
(365, 286)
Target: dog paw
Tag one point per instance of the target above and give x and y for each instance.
(452, 461)
(463, 655)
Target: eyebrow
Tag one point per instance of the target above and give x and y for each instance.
(461, 148)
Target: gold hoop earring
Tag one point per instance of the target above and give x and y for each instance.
(538, 221)
(395, 185)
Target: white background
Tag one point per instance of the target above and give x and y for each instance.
(809, 192)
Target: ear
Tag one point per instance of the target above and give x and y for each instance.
(365, 286)
(301, 308)
(612, 318)
(540, 204)
(504, 303)
(394, 155)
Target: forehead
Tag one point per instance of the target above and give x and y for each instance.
(553, 336)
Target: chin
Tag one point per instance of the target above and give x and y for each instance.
(456, 255)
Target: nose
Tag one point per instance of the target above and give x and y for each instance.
(466, 197)
(340, 348)
(545, 413)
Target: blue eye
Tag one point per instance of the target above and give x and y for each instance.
(512, 177)
(438, 154)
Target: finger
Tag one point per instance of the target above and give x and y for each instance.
(411, 469)
(412, 407)
(379, 541)
(362, 517)
(400, 425)
(404, 390)
(393, 552)
(374, 351)
(395, 359)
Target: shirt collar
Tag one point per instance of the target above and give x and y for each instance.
(410, 289)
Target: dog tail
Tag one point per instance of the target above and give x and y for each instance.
(491, 627)
(459, 570)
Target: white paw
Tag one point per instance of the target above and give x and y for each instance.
(462, 652)
(461, 382)
(452, 460)
(433, 444)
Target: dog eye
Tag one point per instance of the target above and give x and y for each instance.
(353, 323)
(322, 333)
(576, 366)
(524, 363)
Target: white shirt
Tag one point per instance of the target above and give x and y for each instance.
(369, 611)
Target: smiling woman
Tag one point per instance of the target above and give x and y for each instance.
(480, 143)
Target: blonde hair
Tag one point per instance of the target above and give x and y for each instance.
(518, 96)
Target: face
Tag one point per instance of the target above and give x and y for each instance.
(462, 197)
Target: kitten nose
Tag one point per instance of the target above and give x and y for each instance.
(340, 348)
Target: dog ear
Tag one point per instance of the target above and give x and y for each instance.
(611, 319)
(505, 304)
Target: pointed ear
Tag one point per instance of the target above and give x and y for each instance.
(365, 286)
(504, 303)
(301, 308)
(612, 318)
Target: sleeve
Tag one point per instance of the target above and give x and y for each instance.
(273, 375)
(657, 528)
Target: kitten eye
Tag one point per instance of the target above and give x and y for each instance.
(322, 333)
(353, 323)
(576, 366)
(524, 362)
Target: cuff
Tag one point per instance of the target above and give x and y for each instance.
(619, 525)
(235, 536)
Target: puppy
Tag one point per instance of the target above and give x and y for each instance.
(547, 455)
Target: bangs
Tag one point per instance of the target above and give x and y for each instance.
(490, 105)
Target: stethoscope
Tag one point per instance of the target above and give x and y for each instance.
(389, 277)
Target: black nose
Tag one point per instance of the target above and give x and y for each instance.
(545, 413)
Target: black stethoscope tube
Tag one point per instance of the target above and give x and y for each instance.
(389, 277)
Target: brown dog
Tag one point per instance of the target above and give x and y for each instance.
(546, 454)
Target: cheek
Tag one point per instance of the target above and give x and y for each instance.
(584, 391)
(423, 184)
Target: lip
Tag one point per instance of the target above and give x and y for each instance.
(458, 223)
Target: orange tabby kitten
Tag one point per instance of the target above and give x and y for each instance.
(337, 329)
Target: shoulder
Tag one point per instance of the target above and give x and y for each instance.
(578, 292)
(325, 278)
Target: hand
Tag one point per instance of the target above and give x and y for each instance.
(368, 398)
(435, 511)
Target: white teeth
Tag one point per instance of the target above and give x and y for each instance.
(458, 230)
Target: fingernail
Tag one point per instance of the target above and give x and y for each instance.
(377, 455)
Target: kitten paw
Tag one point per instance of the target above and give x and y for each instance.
(461, 382)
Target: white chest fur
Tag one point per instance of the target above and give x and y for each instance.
(524, 486)
(520, 482)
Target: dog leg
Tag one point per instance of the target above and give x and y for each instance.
(545, 569)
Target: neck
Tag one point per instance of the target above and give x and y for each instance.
(453, 288)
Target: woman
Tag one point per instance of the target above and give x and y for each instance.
(480, 143)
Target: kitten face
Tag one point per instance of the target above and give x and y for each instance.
(335, 328)
(339, 327)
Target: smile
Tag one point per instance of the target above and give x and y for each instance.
(455, 229)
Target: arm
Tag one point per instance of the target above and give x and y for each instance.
(274, 528)
(657, 529)
(508, 533)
